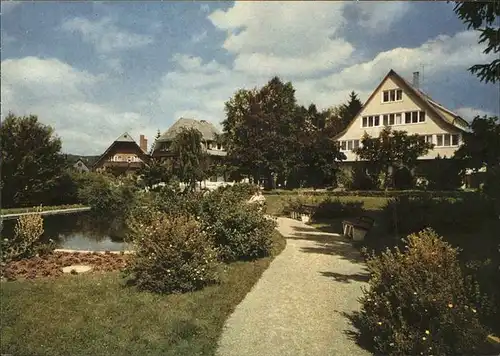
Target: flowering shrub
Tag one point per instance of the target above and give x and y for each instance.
(172, 254)
(419, 303)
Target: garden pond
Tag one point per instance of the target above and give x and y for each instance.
(79, 231)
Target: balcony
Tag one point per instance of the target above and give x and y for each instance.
(123, 164)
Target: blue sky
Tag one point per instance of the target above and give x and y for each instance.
(93, 70)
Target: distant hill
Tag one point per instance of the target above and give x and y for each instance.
(88, 160)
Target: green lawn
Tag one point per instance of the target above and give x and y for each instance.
(95, 314)
(43, 208)
(275, 202)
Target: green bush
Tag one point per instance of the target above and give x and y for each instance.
(487, 274)
(237, 229)
(406, 215)
(26, 242)
(403, 179)
(419, 303)
(106, 195)
(240, 191)
(334, 208)
(297, 203)
(323, 208)
(172, 254)
(379, 193)
(443, 174)
(362, 181)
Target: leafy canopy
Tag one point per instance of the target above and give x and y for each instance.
(32, 163)
(392, 149)
(190, 159)
(483, 16)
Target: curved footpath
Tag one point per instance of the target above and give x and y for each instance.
(297, 307)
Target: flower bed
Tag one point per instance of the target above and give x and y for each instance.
(51, 265)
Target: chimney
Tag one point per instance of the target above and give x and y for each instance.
(416, 80)
(143, 143)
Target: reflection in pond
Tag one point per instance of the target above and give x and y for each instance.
(79, 231)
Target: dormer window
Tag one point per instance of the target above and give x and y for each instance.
(392, 95)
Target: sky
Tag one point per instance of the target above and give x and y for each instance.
(94, 70)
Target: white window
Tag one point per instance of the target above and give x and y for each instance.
(371, 121)
(439, 140)
(446, 140)
(391, 119)
(399, 94)
(392, 95)
(414, 117)
(348, 145)
(407, 117)
(422, 116)
(428, 138)
(398, 118)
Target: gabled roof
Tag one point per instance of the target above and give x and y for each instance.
(79, 160)
(207, 129)
(445, 115)
(124, 138)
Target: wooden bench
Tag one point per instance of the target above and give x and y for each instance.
(357, 228)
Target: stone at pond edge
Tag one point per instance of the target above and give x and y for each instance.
(76, 268)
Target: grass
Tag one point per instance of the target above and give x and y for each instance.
(43, 208)
(95, 314)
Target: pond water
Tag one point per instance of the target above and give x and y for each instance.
(79, 231)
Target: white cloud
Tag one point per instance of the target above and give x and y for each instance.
(45, 77)
(61, 97)
(296, 38)
(104, 35)
(440, 56)
(379, 16)
(200, 88)
(267, 37)
(299, 41)
(470, 113)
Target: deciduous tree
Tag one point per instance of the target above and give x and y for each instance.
(260, 130)
(391, 149)
(32, 163)
(190, 159)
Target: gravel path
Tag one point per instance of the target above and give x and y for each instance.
(297, 306)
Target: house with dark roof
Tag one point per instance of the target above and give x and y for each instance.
(80, 166)
(403, 106)
(210, 144)
(123, 155)
(208, 132)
